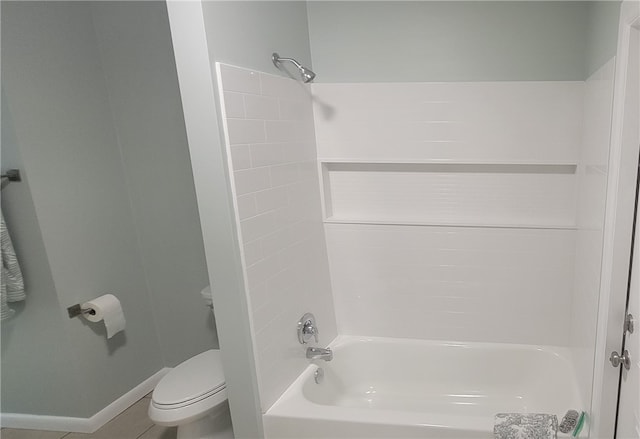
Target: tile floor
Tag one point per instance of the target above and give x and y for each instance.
(133, 423)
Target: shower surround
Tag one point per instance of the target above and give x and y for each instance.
(268, 122)
(450, 208)
(451, 214)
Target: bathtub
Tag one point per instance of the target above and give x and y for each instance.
(402, 388)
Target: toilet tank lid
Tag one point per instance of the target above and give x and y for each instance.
(191, 379)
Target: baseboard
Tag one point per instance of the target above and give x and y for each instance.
(83, 425)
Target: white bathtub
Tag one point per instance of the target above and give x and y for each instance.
(401, 388)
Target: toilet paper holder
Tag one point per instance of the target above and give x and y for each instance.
(77, 310)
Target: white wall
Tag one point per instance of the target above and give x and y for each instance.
(451, 201)
(394, 41)
(592, 186)
(245, 34)
(504, 285)
(269, 131)
(219, 228)
(493, 122)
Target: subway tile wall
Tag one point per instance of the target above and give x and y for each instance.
(592, 188)
(270, 136)
(502, 285)
(519, 121)
(474, 250)
(497, 283)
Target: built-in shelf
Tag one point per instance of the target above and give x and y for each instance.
(454, 167)
(330, 161)
(508, 194)
(395, 222)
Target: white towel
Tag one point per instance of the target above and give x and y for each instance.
(11, 281)
(525, 426)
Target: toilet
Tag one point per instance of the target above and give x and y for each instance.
(193, 397)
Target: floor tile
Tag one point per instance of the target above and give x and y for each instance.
(14, 433)
(130, 424)
(158, 432)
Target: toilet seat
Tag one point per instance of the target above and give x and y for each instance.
(189, 401)
(190, 390)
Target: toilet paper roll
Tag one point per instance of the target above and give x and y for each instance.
(107, 308)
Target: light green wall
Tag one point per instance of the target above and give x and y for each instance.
(447, 41)
(602, 34)
(246, 33)
(35, 336)
(383, 41)
(138, 64)
(57, 98)
(92, 116)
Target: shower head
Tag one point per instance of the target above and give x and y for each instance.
(306, 74)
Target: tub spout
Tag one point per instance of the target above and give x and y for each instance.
(320, 354)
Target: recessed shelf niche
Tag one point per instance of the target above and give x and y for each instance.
(463, 194)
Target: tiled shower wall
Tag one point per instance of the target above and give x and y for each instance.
(450, 207)
(399, 267)
(592, 187)
(492, 122)
(269, 129)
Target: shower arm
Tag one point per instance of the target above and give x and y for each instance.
(306, 74)
(277, 60)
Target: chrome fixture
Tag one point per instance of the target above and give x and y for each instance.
(319, 354)
(307, 328)
(306, 74)
(616, 359)
(318, 375)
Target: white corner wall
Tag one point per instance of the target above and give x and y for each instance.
(450, 207)
(219, 229)
(592, 187)
(268, 122)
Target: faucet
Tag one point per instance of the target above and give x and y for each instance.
(320, 354)
(307, 328)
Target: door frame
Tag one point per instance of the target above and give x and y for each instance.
(618, 229)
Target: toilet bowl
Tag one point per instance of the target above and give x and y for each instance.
(193, 397)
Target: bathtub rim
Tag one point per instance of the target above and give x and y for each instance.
(292, 403)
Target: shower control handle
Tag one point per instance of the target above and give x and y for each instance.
(307, 328)
(624, 359)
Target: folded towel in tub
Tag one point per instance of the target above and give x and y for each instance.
(525, 426)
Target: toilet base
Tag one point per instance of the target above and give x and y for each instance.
(216, 425)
